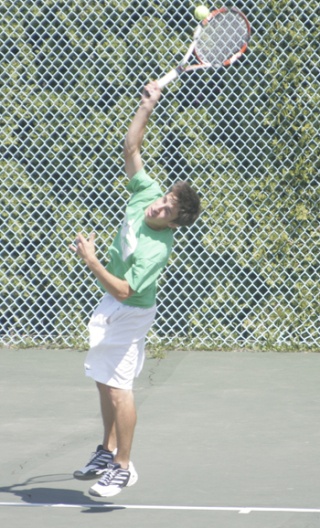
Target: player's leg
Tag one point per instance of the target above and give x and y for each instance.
(107, 413)
(119, 420)
(121, 473)
(125, 419)
(104, 454)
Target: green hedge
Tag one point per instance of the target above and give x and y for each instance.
(71, 74)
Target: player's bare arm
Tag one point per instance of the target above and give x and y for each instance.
(133, 141)
(118, 288)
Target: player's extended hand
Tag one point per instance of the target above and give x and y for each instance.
(151, 94)
(84, 248)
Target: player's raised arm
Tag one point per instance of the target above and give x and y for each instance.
(133, 141)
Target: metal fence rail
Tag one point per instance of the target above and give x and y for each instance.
(248, 137)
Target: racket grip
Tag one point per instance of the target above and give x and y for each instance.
(166, 79)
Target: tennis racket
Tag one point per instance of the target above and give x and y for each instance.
(219, 40)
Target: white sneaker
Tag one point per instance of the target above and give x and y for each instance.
(113, 480)
(96, 466)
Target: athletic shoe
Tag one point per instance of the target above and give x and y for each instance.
(113, 480)
(97, 464)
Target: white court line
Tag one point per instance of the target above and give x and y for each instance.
(239, 509)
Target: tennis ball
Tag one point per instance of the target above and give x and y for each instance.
(201, 12)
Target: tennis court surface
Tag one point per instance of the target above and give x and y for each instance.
(224, 439)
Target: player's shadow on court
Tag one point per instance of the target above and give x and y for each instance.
(54, 497)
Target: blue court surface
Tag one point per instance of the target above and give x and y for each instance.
(224, 439)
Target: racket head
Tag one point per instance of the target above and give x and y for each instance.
(222, 37)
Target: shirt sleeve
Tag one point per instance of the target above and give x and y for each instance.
(141, 181)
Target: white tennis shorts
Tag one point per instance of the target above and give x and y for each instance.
(117, 337)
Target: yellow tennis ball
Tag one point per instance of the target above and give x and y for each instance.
(201, 12)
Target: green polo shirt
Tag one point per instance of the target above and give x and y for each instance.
(139, 253)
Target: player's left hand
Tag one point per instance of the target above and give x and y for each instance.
(84, 248)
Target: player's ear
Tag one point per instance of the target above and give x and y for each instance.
(173, 225)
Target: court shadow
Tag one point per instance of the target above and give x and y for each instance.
(54, 497)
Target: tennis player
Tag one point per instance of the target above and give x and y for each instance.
(119, 324)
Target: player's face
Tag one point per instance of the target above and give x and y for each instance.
(162, 213)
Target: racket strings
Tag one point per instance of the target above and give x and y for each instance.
(221, 38)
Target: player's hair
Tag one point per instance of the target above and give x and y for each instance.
(188, 203)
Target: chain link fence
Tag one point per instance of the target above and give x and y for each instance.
(247, 137)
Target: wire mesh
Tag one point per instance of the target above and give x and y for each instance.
(247, 137)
